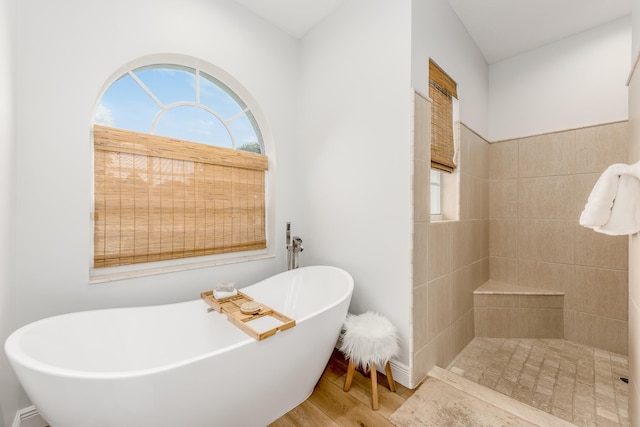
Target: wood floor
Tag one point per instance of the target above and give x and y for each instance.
(329, 406)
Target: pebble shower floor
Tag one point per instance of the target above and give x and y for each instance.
(575, 382)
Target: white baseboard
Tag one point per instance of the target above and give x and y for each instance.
(28, 417)
(401, 373)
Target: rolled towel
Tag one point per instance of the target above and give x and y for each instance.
(625, 213)
(613, 206)
(224, 290)
(597, 211)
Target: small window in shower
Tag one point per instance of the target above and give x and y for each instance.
(436, 194)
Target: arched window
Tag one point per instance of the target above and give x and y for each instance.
(179, 169)
(180, 102)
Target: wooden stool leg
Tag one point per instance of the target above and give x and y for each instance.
(374, 387)
(350, 370)
(392, 383)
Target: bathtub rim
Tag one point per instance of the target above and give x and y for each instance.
(19, 359)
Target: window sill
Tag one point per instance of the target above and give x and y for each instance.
(112, 274)
(441, 219)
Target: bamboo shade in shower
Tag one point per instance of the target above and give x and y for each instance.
(159, 198)
(441, 90)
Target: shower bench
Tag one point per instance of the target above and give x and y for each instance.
(504, 310)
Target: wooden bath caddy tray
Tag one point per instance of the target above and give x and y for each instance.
(231, 307)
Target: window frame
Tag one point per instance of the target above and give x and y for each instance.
(108, 274)
(435, 186)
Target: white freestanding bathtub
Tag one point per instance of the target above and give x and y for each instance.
(180, 365)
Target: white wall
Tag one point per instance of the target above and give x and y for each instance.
(354, 143)
(438, 34)
(8, 383)
(67, 52)
(578, 81)
(634, 241)
(635, 24)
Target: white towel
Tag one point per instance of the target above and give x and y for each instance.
(613, 206)
(224, 294)
(224, 290)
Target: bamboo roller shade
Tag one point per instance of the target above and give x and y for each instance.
(159, 198)
(441, 89)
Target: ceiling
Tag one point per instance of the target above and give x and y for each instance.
(504, 28)
(500, 28)
(295, 17)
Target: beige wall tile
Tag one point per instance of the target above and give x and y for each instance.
(504, 322)
(462, 332)
(548, 197)
(607, 334)
(474, 153)
(597, 147)
(601, 292)
(462, 244)
(545, 275)
(504, 269)
(546, 240)
(465, 184)
(444, 348)
(422, 167)
(503, 159)
(496, 322)
(478, 198)
(439, 262)
(496, 300)
(479, 240)
(541, 323)
(461, 292)
(479, 273)
(529, 316)
(439, 306)
(503, 238)
(549, 154)
(571, 330)
(600, 250)
(503, 198)
(423, 360)
(541, 301)
(421, 189)
(419, 316)
(420, 253)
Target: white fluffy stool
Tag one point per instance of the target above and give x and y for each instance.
(369, 340)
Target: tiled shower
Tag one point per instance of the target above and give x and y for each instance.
(450, 258)
(519, 204)
(538, 188)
